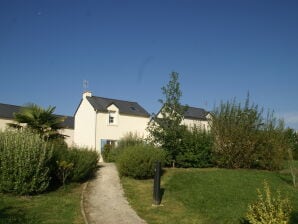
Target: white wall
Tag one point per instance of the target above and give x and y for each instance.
(85, 120)
(204, 125)
(198, 123)
(3, 123)
(70, 133)
(124, 125)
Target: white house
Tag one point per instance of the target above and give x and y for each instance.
(100, 121)
(7, 115)
(194, 116)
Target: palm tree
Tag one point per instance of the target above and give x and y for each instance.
(40, 120)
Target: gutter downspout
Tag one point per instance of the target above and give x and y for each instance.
(95, 131)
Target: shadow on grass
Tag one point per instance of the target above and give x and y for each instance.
(294, 217)
(243, 221)
(162, 192)
(286, 177)
(12, 215)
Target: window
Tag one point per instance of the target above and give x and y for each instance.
(112, 117)
(112, 143)
(107, 143)
(133, 108)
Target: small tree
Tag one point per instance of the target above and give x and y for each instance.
(268, 209)
(244, 139)
(39, 120)
(234, 128)
(166, 129)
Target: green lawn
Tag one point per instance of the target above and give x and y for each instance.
(61, 206)
(205, 195)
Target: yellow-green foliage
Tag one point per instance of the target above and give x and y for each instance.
(23, 162)
(268, 209)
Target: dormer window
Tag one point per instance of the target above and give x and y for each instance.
(112, 118)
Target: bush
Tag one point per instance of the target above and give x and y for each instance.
(268, 209)
(24, 159)
(195, 151)
(244, 139)
(130, 139)
(139, 161)
(271, 149)
(84, 163)
(111, 153)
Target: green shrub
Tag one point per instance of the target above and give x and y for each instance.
(138, 161)
(271, 149)
(84, 163)
(107, 155)
(24, 159)
(195, 151)
(111, 153)
(268, 209)
(243, 138)
(64, 170)
(130, 139)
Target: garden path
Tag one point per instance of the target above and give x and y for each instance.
(103, 199)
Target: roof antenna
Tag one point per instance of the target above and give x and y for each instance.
(85, 85)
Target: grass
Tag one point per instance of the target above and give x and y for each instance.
(206, 195)
(61, 206)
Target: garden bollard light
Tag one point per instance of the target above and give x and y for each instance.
(156, 185)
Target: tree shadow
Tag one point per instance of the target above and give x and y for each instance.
(13, 215)
(294, 217)
(286, 177)
(162, 192)
(243, 221)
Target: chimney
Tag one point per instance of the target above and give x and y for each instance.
(87, 93)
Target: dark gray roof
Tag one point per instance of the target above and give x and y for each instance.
(125, 107)
(7, 111)
(196, 113)
(68, 122)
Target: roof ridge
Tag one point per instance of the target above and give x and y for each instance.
(115, 99)
(11, 105)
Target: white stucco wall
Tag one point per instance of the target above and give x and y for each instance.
(194, 122)
(70, 136)
(124, 125)
(85, 121)
(198, 123)
(3, 123)
(68, 132)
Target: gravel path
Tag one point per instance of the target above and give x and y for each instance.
(103, 200)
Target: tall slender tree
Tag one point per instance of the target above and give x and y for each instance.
(165, 128)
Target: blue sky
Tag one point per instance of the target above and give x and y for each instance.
(127, 49)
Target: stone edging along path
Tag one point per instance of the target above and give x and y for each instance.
(103, 201)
